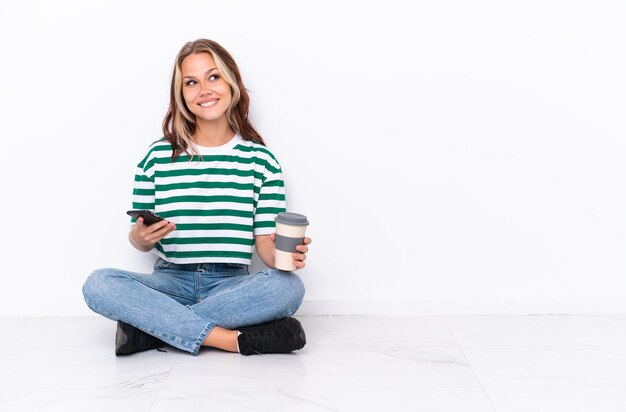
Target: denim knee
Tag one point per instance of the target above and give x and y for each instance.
(293, 288)
(95, 285)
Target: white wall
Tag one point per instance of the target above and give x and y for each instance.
(452, 156)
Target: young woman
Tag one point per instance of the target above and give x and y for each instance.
(219, 189)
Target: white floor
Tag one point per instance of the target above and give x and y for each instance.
(350, 363)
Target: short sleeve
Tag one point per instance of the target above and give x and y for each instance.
(271, 202)
(143, 190)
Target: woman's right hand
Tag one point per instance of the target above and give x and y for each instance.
(145, 237)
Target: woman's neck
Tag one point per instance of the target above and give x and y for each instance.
(211, 134)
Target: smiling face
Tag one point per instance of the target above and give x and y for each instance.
(206, 93)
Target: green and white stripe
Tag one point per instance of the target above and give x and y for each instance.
(218, 203)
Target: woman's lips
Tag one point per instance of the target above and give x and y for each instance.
(208, 104)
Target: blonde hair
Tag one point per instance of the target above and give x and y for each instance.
(179, 124)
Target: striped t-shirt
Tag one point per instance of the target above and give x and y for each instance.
(218, 203)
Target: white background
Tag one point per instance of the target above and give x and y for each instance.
(452, 156)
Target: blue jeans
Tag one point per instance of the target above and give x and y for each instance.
(181, 303)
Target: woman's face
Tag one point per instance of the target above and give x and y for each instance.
(207, 95)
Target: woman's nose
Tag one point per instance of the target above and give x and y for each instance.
(206, 90)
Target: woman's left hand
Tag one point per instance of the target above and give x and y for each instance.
(298, 258)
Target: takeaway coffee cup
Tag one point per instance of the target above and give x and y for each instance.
(290, 229)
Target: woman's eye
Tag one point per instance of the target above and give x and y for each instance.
(188, 83)
(215, 75)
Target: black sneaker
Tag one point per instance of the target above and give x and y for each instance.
(279, 336)
(129, 339)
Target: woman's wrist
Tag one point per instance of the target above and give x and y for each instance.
(139, 246)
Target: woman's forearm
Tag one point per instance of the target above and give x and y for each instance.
(265, 248)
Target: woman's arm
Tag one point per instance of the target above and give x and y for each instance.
(266, 249)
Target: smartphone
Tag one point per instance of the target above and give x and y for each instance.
(149, 218)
